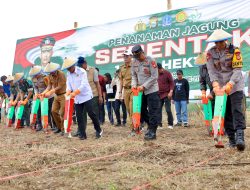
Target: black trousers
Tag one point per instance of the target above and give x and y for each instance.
(88, 106)
(150, 110)
(167, 103)
(118, 104)
(234, 117)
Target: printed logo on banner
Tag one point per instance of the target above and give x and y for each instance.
(140, 26)
(166, 20)
(181, 16)
(195, 16)
(153, 22)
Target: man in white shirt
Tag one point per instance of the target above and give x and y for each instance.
(78, 88)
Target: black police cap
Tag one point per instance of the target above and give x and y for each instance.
(137, 49)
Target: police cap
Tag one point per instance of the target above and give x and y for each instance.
(48, 41)
(136, 49)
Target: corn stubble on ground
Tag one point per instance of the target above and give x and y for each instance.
(179, 151)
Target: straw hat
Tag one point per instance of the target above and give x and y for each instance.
(68, 62)
(201, 59)
(51, 67)
(219, 35)
(35, 70)
(9, 78)
(18, 77)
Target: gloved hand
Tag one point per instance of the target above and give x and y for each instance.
(203, 94)
(228, 88)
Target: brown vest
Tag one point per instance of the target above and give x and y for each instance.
(90, 73)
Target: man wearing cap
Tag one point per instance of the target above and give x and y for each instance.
(78, 88)
(144, 76)
(93, 80)
(46, 46)
(166, 87)
(224, 68)
(25, 90)
(57, 86)
(125, 84)
(40, 83)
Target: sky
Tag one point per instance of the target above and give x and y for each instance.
(28, 18)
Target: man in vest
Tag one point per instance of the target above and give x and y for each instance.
(93, 80)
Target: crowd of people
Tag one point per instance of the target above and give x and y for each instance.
(220, 69)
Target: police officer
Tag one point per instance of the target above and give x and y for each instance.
(25, 91)
(46, 46)
(144, 73)
(224, 68)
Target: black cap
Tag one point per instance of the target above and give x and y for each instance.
(179, 71)
(81, 60)
(136, 49)
(159, 65)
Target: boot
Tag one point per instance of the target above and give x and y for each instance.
(240, 143)
(151, 135)
(232, 141)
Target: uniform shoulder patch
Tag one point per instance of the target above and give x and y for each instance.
(153, 63)
(237, 59)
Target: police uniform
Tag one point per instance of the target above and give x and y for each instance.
(145, 73)
(46, 45)
(224, 69)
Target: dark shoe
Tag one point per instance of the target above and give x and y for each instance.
(240, 143)
(53, 128)
(178, 124)
(185, 125)
(99, 135)
(232, 141)
(82, 137)
(62, 133)
(118, 125)
(150, 136)
(57, 131)
(76, 135)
